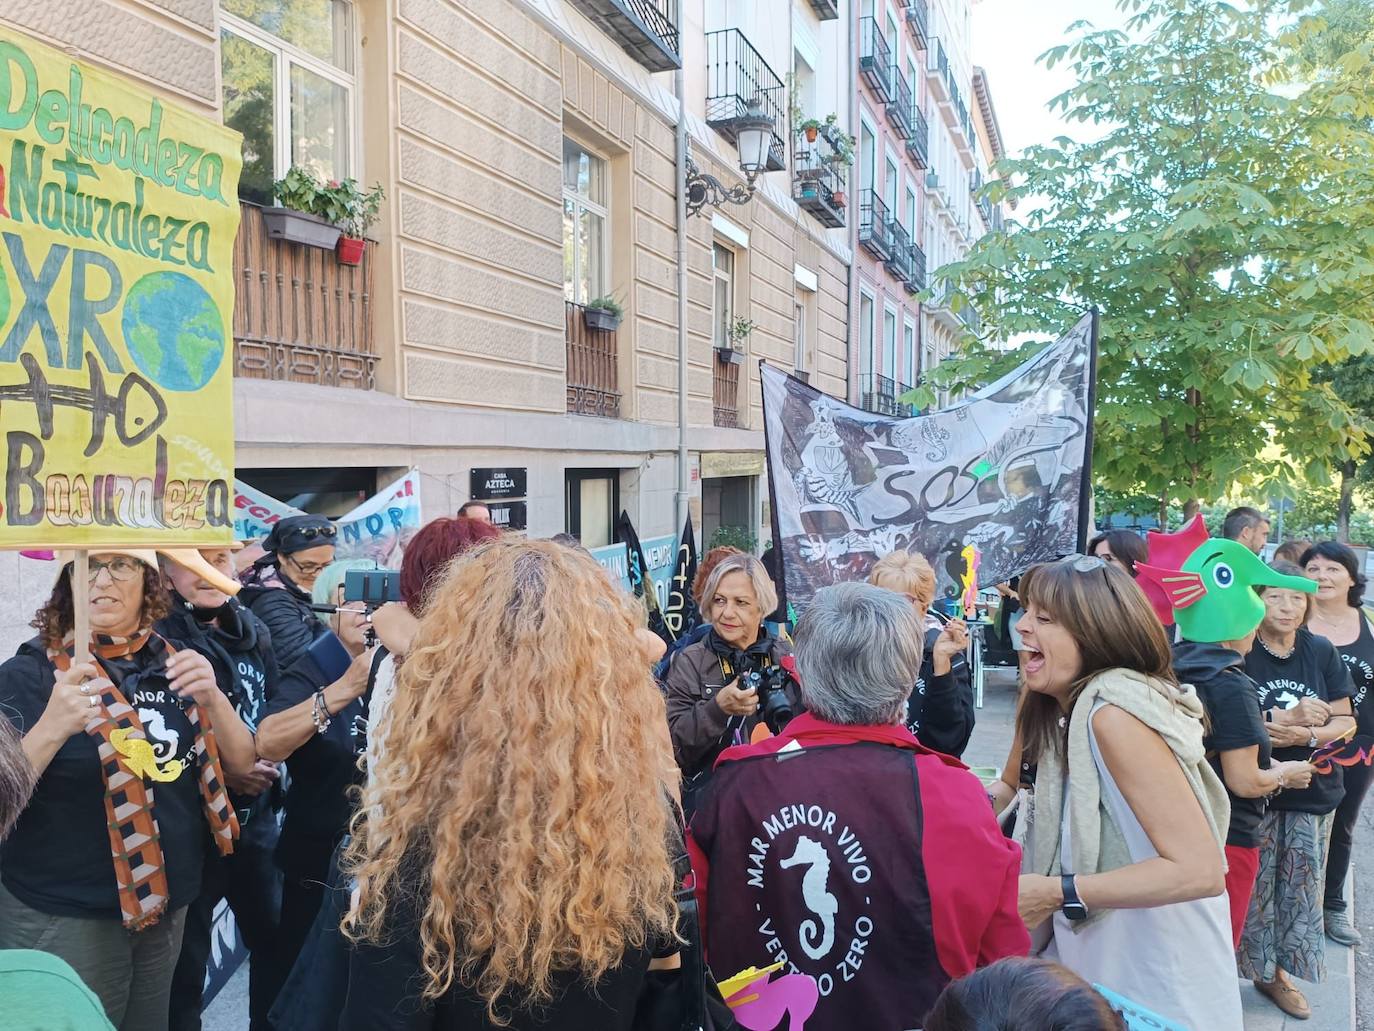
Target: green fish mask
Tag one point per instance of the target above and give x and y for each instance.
(1206, 584)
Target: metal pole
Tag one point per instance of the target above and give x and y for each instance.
(683, 495)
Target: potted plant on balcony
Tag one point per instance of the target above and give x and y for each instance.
(838, 199)
(811, 128)
(733, 353)
(354, 212)
(297, 218)
(603, 314)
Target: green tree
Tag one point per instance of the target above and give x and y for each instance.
(1353, 382)
(1221, 217)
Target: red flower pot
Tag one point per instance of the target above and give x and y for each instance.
(350, 250)
(811, 132)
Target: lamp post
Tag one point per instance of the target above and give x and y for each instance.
(754, 138)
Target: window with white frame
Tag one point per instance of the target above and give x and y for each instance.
(584, 224)
(287, 83)
(890, 184)
(911, 210)
(908, 353)
(723, 299)
(889, 343)
(895, 42)
(868, 157)
(866, 336)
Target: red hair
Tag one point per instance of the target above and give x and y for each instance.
(431, 550)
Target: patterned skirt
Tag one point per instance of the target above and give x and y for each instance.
(1284, 929)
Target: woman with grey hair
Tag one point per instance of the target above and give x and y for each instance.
(725, 687)
(844, 847)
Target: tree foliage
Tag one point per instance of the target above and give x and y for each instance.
(1220, 214)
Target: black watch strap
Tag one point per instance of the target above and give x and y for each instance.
(1073, 907)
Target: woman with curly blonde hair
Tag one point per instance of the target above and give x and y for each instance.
(513, 852)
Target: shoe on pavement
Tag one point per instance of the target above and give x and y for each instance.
(1340, 930)
(1286, 997)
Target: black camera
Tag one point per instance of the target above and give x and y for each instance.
(770, 683)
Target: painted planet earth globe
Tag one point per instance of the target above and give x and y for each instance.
(173, 330)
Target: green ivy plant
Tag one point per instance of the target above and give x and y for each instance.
(733, 537)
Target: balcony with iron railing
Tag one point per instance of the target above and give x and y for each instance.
(875, 59)
(960, 120)
(645, 29)
(969, 316)
(918, 20)
(900, 109)
(725, 393)
(736, 78)
(916, 282)
(593, 366)
(300, 315)
(818, 177)
(984, 206)
(899, 257)
(878, 394)
(918, 143)
(874, 221)
(825, 10)
(937, 71)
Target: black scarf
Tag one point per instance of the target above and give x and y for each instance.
(756, 656)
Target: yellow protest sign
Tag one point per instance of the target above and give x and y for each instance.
(118, 213)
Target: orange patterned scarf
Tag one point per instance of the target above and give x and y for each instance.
(130, 808)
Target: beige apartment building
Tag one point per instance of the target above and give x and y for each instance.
(527, 151)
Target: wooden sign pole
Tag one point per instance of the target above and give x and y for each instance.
(81, 606)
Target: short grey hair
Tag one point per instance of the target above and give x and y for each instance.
(17, 778)
(859, 654)
(764, 591)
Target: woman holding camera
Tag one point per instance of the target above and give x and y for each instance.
(719, 689)
(320, 731)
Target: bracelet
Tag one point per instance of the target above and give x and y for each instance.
(319, 713)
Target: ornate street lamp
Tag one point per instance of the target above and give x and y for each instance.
(754, 138)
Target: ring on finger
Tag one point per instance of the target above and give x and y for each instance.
(94, 702)
(85, 688)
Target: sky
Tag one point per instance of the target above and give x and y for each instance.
(1008, 35)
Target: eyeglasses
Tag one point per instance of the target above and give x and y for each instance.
(121, 568)
(308, 568)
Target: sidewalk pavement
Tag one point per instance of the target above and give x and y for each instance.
(1333, 1001)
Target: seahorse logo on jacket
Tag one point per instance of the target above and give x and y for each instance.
(809, 868)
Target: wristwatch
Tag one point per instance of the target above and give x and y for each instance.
(1073, 907)
(1312, 738)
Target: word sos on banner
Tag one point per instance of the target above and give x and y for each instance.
(117, 222)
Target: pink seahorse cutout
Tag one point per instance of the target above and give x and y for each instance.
(760, 1006)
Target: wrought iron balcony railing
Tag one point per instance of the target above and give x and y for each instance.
(917, 282)
(725, 393)
(900, 109)
(818, 178)
(899, 256)
(873, 225)
(875, 58)
(593, 366)
(645, 29)
(736, 77)
(918, 20)
(878, 394)
(918, 143)
(826, 10)
(299, 314)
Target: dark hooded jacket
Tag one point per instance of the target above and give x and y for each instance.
(1234, 721)
(239, 648)
(291, 623)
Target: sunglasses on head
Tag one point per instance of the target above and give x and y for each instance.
(311, 532)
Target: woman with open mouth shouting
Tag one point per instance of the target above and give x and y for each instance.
(1123, 870)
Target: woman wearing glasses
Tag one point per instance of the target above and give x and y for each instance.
(277, 588)
(1305, 692)
(1123, 867)
(131, 750)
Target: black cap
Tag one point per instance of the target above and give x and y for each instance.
(296, 533)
